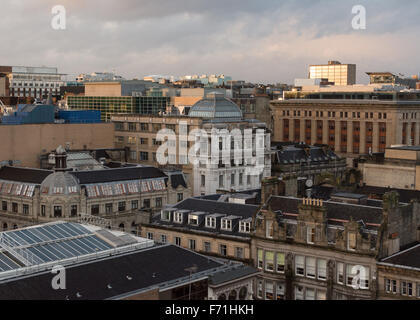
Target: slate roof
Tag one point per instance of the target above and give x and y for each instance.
(242, 210)
(405, 195)
(240, 271)
(335, 210)
(27, 175)
(291, 154)
(178, 180)
(165, 262)
(407, 258)
(118, 174)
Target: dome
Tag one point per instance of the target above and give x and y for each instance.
(60, 183)
(215, 106)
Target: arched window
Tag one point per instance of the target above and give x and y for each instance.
(5, 226)
(15, 226)
(232, 295)
(121, 226)
(133, 227)
(222, 297)
(242, 293)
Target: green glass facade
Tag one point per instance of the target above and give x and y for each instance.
(112, 105)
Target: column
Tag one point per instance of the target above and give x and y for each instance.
(398, 132)
(292, 130)
(313, 132)
(408, 134)
(337, 136)
(279, 136)
(362, 147)
(349, 136)
(375, 137)
(302, 130)
(416, 134)
(325, 130)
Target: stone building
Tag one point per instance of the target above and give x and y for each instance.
(212, 225)
(32, 196)
(350, 127)
(313, 249)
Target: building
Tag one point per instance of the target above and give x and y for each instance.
(399, 168)
(334, 71)
(312, 249)
(301, 166)
(212, 225)
(212, 114)
(24, 144)
(131, 268)
(35, 82)
(399, 275)
(390, 78)
(98, 76)
(33, 196)
(349, 127)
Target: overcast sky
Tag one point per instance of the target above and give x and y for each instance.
(255, 40)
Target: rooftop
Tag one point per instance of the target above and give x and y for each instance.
(409, 258)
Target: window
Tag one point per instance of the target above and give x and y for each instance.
(349, 274)
(163, 238)
(25, 209)
(298, 293)
(57, 211)
(310, 235)
(158, 202)
(177, 241)
(144, 127)
(300, 265)
(43, 210)
(178, 217)
(417, 286)
(406, 288)
(269, 290)
(144, 156)
(391, 286)
(241, 178)
(280, 291)
(260, 289)
(121, 206)
(221, 184)
(210, 222)
(108, 208)
(207, 246)
(146, 203)
(322, 269)
(244, 226)
(232, 179)
(269, 229)
(351, 241)
(133, 155)
(180, 197)
(248, 179)
(260, 258)
(364, 278)
(310, 267)
(203, 180)
(73, 210)
(310, 294)
(226, 224)
(150, 235)
(134, 204)
(193, 219)
(239, 252)
(269, 261)
(340, 273)
(15, 207)
(223, 250)
(4, 205)
(94, 209)
(191, 244)
(321, 295)
(280, 262)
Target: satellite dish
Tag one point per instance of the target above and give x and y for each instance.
(309, 183)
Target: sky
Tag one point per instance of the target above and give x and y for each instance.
(264, 41)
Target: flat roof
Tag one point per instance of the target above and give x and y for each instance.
(347, 101)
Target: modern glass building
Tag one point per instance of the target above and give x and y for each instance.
(334, 71)
(112, 105)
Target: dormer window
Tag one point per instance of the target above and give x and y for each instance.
(227, 224)
(245, 226)
(210, 222)
(165, 215)
(351, 241)
(178, 217)
(310, 235)
(193, 219)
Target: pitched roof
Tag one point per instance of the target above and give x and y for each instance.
(27, 175)
(240, 271)
(210, 206)
(405, 195)
(406, 258)
(166, 263)
(118, 174)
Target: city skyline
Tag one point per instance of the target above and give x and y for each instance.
(267, 43)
